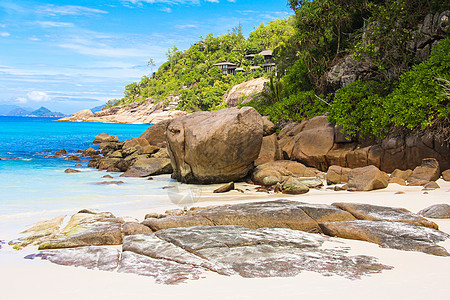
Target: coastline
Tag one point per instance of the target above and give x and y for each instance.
(415, 275)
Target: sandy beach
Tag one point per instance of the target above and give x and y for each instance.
(415, 275)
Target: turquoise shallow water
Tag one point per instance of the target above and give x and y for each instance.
(34, 188)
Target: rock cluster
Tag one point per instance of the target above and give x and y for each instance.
(135, 157)
(319, 144)
(145, 112)
(262, 239)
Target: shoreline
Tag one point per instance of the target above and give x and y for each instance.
(415, 275)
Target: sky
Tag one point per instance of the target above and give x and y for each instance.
(73, 55)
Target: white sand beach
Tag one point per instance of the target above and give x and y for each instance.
(415, 275)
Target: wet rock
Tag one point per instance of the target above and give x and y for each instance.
(225, 188)
(164, 271)
(107, 176)
(270, 252)
(109, 182)
(89, 152)
(437, 211)
(132, 228)
(149, 166)
(337, 174)
(73, 157)
(277, 171)
(427, 171)
(396, 235)
(106, 163)
(105, 138)
(392, 214)
(367, 179)
(294, 187)
(215, 147)
(61, 152)
(92, 257)
(71, 171)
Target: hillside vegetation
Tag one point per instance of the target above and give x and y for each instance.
(399, 89)
(192, 74)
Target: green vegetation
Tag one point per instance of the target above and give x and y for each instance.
(401, 93)
(192, 75)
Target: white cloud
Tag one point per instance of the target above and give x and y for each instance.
(38, 96)
(53, 10)
(166, 9)
(4, 34)
(34, 39)
(185, 26)
(47, 24)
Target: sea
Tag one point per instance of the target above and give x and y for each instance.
(35, 188)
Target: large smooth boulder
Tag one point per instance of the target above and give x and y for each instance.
(279, 213)
(277, 171)
(367, 179)
(156, 134)
(446, 175)
(82, 115)
(105, 138)
(215, 147)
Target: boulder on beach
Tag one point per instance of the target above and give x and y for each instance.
(446, 175)
(105, 138)
(367, 179)
(277, 171)
(82, 115)
(270, 150)
(337, 175)
(427, 171)
(149, 166)
(215, 147)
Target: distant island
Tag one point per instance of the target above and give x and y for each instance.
(16, 111)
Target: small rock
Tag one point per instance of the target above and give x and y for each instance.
(155, 215)
(71, 171)
(108, 176)
(399, 193)
(432, 185)
(132, 228)
(61, 152)
(397, 180)
(294, 187)
(437, 211)
(175, 212)
(73, 157)
(105, 138)
(446, 175)
(109, 182)
(401, 174)
(78, 165)
(427, 171)
(225, 188)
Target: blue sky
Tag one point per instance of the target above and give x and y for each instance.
(71, 55)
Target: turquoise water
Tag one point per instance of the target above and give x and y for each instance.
(34, 188)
